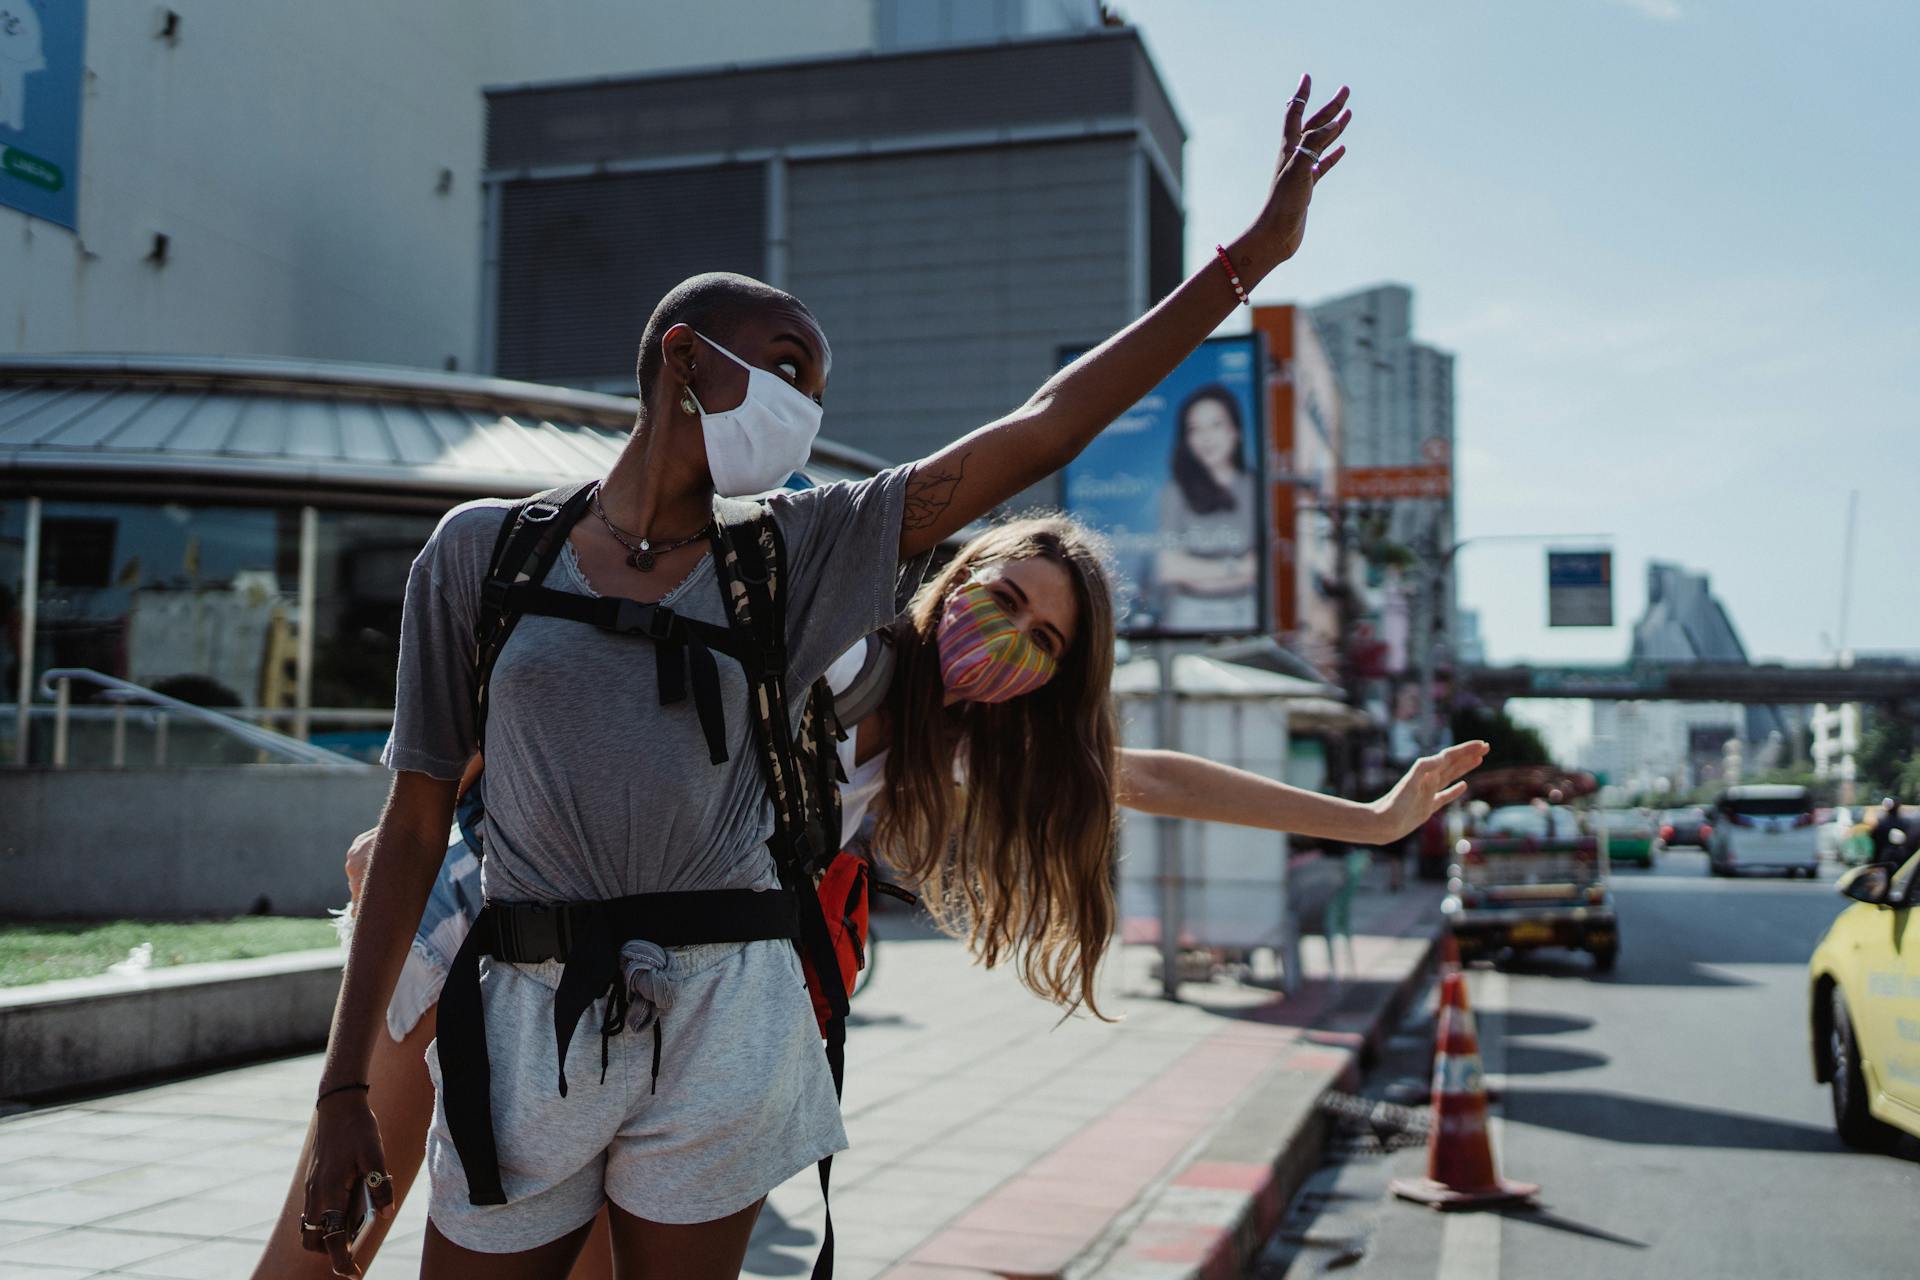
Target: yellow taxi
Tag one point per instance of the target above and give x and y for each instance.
(1865, 1011)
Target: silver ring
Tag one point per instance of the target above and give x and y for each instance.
(1309, 151)
(1296, 102)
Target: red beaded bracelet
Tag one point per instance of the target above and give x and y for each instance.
(1226, 264)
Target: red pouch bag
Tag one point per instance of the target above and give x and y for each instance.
(843, 901)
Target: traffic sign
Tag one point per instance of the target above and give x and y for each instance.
(1579, 588)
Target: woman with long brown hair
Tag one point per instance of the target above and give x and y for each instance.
(1003, 659)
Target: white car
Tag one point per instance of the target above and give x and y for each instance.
(1764, 828)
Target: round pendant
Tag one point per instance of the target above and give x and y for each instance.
(643, 560)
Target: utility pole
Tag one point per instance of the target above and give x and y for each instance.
(1432, 572)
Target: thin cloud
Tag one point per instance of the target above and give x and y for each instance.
(1660, 10)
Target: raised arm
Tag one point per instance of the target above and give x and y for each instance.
(988, 466)
(1176, 785)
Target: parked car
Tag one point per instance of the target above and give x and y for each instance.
(1764, 828)
(1687, 828)
(1528, 877)
(1630, 835)
(1861, 984)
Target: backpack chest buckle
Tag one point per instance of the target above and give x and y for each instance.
(631, 617)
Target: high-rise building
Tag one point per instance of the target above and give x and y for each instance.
(1685, 622)
(1399, 398)
(1398, 412)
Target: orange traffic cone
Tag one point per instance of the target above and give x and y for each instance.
(1460, 1172)
(1449, 953)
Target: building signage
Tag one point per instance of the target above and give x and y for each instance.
(1579, 588)
(42, 46)
(1388, 484)
(1176, 484)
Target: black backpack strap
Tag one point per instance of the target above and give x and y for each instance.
(530, 540)
(751, 555)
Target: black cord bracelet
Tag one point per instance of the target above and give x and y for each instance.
(339, 1088)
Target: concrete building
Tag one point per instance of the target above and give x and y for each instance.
(960, 187)
(243, 187)
(1399, 397)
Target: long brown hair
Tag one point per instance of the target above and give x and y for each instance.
(1018, 861)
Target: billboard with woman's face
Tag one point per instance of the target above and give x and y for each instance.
(1176, 483)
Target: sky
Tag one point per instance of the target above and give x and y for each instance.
(1672, 246)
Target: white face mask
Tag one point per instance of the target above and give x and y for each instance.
(757, 446)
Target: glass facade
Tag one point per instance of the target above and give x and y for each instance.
(361, 563)
(192, 601)
(202, 602)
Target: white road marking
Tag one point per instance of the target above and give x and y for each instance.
(1470, 1242)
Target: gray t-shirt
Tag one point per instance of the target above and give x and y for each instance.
(595, 790)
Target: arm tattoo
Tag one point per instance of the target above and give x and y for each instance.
(929, 494)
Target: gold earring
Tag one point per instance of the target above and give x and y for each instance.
(687, 402)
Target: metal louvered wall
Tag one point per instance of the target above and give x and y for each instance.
(1010, 86)
(955, 217)
(948, 282)
(582, 262)
(1166, 239)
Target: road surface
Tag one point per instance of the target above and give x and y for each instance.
(1668, 1111)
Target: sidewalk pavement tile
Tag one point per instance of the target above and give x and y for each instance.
(70, 1207)
(1002, 1252)
(13, 1232)
(37, 1173)
(194, 1215)
(88, 1247)
(201, 1260)
(989, 1132)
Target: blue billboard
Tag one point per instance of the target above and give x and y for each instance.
(1177, 484)
(42, 59)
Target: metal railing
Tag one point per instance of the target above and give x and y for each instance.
(58, 682)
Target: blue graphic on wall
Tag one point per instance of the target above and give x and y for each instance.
(1177, 485)
(42, 59)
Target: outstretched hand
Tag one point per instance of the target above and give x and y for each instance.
(1305, 158)
(1429, 786)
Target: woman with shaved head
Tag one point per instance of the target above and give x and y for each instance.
(622, 768)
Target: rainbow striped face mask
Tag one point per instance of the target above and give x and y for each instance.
(983, 655)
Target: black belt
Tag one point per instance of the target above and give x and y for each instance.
(586, 938)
